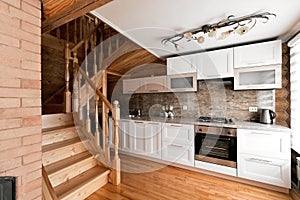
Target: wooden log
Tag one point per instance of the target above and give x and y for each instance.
(69, 12)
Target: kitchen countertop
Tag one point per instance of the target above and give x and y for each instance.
(193, 121)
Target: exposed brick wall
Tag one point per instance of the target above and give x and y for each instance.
(20, 95)
(283, 95)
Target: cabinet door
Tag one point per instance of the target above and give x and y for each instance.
(138, 137)
(181, 64)
(267, 53)
(154, 84)
(178, 153)
(124, 135)
(264, 169)
(153, 139)
(265, 77)
(264, 143)
(131, 86)
(178, 133)
(215, 64)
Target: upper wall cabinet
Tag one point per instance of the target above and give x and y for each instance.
(145, 85)
(181, 64)
(266, 53)
(215, 64)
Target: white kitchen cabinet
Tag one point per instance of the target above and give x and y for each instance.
(260, 54)
(264, 156)
(145, 138)
(153, 84)
(124, 134)
(182, 82)
(264, 169)
(215, 64)
(131, 86)
(181, 64)
(265, 77)
(178, 143)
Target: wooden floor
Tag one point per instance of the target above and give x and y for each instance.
(171, 183)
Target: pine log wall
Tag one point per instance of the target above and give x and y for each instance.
(282, 97)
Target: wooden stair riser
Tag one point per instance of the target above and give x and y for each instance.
(59, 135)
(83, 185)
(72, 171)
(62, 153)
(56, 120)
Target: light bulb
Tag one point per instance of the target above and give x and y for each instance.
(242, 30)
(188, 35)
(177, 47)
(212, 33)
(225, 35)
(201, 39)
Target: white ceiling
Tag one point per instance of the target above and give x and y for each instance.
(147, 22)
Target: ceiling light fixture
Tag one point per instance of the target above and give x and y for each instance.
(226, 27)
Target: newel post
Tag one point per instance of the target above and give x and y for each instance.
(116, 163)
(67, 94)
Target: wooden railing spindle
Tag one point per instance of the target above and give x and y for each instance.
(67, 94)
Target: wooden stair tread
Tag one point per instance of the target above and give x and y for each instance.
(61, 144)
(61, 164)
(58, 128)
(82, 182)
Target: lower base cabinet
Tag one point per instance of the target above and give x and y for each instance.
(266, 170)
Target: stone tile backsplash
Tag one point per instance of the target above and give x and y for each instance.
(213, 98)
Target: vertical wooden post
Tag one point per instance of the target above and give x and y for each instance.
(86, 43)
(67, 94)
(101, 55)
(105, 111)
(116, 163)
(75, 95)
(97, 134)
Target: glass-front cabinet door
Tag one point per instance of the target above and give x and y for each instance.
(265, 77)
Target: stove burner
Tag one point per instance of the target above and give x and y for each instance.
(215, 120)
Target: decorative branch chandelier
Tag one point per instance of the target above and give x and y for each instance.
(228, 26)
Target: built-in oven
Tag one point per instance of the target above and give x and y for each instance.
(216, 145)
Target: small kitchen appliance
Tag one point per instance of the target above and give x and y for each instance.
(267, 116)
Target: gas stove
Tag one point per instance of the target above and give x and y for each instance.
(222, 120)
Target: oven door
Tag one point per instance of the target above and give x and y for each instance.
(216, 149)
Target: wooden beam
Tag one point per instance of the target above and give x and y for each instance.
(71, 12)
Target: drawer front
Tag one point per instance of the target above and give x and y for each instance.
(264, 143)
(266, 170)
(177, 153)
(179, 133)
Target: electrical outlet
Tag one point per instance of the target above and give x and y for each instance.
(184, 107)
(252, 109)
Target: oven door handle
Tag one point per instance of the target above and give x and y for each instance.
(219, 148)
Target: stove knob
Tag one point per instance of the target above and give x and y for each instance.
(228, 133)
(200, 129)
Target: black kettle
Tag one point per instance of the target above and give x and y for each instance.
(267, 116)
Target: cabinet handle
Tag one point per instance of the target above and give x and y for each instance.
(138, 122)
(154, 123)
(176, 145)
(176, 125)
(210, 147)
(153, 90)
(260, 160)
(255, 133)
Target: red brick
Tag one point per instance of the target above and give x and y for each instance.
(10, 164)
(30, 28)
(35, 3)
(10, 41)
(34, 66)
(20, 151)
(14, 23)
(15, 3)
(31, 176)
(19, 132)
(20, 112)
(31, 121)
(35, 84)
(10, 62)
(10, 102)
(25, 169)
(14, 12)
(32, 139)
(34, 194)
(10, 144)
(4, 7)
(35, 57)
(32, 158)
(19, 92)
(32, 10)
(28, 46)
(31, 102)
(14, 83)
(10, 123)
(10, 52)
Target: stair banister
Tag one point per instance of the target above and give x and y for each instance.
(67, 94)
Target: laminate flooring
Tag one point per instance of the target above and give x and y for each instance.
(162, 182)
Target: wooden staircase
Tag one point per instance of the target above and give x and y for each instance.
(71, 169)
